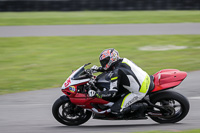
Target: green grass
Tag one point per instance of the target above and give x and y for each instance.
(30, 63)
(185, 131)
(97, 17)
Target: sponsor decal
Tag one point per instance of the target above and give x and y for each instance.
(67, 82)
(132, 101)
(72, 88)
(81, 105)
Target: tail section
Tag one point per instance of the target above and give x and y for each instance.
(168, 78)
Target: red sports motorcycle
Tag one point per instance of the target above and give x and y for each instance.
(75, 107)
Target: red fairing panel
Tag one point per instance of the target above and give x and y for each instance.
(85, 102)
(168, 78)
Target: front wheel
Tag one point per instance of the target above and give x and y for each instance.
(69, 114)
(176, 104)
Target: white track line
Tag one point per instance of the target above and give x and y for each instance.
(194, 98)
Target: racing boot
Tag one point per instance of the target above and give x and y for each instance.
(120, 115)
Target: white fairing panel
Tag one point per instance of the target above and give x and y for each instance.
(70, 81)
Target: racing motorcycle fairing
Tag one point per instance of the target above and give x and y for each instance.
(77, 77)
(73, 88)
(168, 78)
(86, 102)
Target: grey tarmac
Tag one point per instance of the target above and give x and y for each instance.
(30, 112)
(101, 30)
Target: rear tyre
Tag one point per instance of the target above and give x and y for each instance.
(69, 114)
(177, 105)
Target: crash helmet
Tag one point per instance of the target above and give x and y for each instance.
(108, 57)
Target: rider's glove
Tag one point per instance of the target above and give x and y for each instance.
(95, 68)
(91, 93)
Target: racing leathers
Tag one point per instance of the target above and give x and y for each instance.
(128, 82)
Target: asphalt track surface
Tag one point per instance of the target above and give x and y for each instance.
(101, 30)
(30, 112)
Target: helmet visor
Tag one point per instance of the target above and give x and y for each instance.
(104, 61)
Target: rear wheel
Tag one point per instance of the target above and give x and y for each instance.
(69, 114)
(177, 107)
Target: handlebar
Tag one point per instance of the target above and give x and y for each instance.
(89, 72)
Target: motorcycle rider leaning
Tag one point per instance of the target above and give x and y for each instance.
(128, 81)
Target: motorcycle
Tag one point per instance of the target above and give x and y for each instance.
(75, 107)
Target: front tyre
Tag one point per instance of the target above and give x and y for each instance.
(176, 104)
(69, 114)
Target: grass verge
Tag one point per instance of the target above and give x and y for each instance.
(97, 17)
(30, 63)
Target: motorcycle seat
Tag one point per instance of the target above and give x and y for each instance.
(151, 86)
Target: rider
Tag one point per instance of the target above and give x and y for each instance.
(127, 80)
